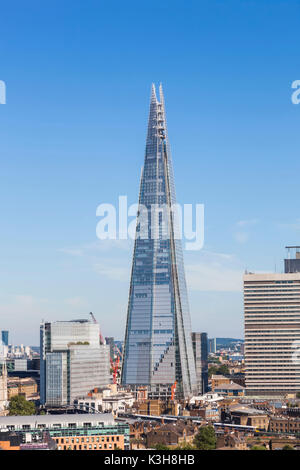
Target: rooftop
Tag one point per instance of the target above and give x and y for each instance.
(64, 420)
(231, 386)
(243, 409)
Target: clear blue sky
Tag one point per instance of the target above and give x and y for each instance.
(72, 135)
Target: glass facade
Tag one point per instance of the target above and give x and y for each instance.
(72, 361)
(199, 341)
(57, 378)
(158, 347)
(4, 337)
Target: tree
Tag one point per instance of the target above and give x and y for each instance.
(18, 405)
(221, 370)
(288, 447)
(185, 446)
(258, 448)
(298, 395)
(160, 447)
(206, 438)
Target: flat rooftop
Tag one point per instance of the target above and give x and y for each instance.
(34, 421)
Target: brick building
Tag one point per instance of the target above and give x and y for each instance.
(285, 424)
(172, 435)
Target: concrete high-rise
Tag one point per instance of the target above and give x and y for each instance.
(272, 333)
(72, 361)
(158, 347)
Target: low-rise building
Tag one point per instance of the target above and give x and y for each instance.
(73, 431)
(231, 441)
(106, 400)
(11, 440)
(230, 389)
(246, 416)
(217, 380)
(284, 424)
(26, 386)
(172, 435)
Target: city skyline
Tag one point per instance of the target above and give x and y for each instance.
(72, 137)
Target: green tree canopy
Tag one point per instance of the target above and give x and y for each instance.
(288, 447)
(206, 438)
(185, 446)
(218, 370)
(18, 405)
(160, 447)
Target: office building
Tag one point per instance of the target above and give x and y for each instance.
(212, 345)
(111, 342)
(199, 341)
(4, 337)
(72, 362)
(272, 333)
(292, 262)
(158, 347)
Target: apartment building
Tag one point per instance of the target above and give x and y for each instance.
(272, 333)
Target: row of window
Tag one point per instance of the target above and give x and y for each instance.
(87, 447)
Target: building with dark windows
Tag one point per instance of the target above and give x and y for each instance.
(272, 333)
(158, 346)
(4, 337)
(200, 349)
(111, 342)
(212, 345)
(292, 263)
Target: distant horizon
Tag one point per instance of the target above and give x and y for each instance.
(122, 341)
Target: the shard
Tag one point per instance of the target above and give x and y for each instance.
(158, 347)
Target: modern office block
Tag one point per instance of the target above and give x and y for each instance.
(158, 347)
(111, 342)
(292, 264)
(73, 362)
(199, 341)
(272, 333)
(4, 337)
(212, 345)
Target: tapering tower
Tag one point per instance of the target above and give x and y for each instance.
(158, 347)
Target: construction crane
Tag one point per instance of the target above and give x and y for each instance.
(118, 352)
(173, 390)
(115, 367)
(102, 340)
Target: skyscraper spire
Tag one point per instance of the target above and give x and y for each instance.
(158, 346)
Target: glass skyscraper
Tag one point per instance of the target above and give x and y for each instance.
(4, 337)
(158, 348)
